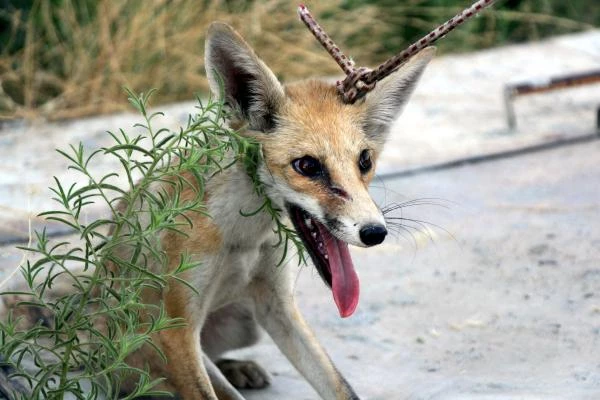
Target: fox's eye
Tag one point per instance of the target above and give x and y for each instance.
(364, 162)
(308, 166)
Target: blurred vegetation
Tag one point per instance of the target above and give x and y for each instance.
(66, 58)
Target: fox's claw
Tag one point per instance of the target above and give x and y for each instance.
(244, 374)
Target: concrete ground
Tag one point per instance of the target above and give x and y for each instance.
(495, 295)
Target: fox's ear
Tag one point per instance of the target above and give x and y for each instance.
(385, 103)
(250, 88)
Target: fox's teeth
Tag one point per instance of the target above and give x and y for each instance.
(314, 235)
(309, 223)
(326, 256)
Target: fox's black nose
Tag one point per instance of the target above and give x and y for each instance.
(372, 234)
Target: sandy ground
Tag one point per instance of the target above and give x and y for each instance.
(496, 296)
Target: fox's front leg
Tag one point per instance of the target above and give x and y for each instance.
(181, 346)
(185, 367)
(223, 388)
(277, 312)
(193, 374)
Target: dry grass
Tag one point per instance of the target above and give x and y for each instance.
(79, 66)
(143, 45)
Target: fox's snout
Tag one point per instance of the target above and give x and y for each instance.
(372, 234)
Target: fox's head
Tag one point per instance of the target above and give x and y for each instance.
(319, 153)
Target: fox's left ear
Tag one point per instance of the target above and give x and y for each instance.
(385, 103)
(250, 89)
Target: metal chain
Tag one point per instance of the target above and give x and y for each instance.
(345, 63)
(359, 81)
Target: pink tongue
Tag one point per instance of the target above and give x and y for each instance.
(345, 285)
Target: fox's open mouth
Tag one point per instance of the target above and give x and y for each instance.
(331, 258)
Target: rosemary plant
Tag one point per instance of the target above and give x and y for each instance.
(80, 350)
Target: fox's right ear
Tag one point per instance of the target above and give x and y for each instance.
(385, 103)
(250, 88)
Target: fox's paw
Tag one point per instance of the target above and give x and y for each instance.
(29, 314)
(244, 374)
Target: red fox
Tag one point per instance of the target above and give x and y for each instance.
(318, 157)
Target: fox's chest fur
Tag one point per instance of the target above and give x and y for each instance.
(232, 249)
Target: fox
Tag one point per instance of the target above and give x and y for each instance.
(319, 155)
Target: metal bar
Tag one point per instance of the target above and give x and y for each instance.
(543, 86)
(525, 88)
